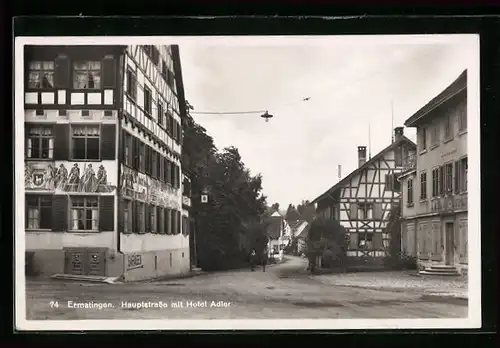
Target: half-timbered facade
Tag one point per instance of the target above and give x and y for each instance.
(435, 218)
(102, 161)
(362, 200)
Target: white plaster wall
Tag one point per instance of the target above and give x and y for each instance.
(59, 240)
(151, 242)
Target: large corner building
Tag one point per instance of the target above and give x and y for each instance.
(105, 192)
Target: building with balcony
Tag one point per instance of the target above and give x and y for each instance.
(434, 205)
(361, 201)
(102, 161)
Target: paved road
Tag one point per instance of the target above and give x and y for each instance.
(283, 291)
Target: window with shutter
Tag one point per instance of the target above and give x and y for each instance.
(59, 213)
(135, 153)
(179, 222)
(353, 211)
(441, 180)
(123, 214)
(106, 213)
(135, 217)
(62, 72)
(108, 142)
(109, 72)
(61, 142)
(353, 241)
(168, 221)
(147, 218)
(377, 211)
(457, 177)
(377, 243)
(389, 182)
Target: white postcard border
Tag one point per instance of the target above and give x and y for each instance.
(470, 43)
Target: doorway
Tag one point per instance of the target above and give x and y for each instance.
(449, 232)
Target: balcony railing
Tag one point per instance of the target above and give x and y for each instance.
(450, 204)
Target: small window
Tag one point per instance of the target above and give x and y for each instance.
(85, 142)
(40, 142)
(131, 84)
(147, 101)
(365, 211)
(463, 168)
(423, 185)
(127, 216)
(435, 182)
(462, 117)
(409, 192)
(164, 69)
(152, 219)
(38, 212)
(160, 113)
(141, 227)
(128, 153)
(448, 129)
(423, 139)
(170, 78)
(365, 240)
(435, 135)
(84, 214)
(142, 157)
(449, 178)
(87, 75)
(41, 74)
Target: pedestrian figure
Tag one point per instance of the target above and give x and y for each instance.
(253, 257)
(264, 260)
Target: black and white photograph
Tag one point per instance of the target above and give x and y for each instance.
(230, 182)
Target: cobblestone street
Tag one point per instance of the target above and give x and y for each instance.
(283, 291)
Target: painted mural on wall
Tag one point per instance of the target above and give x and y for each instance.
(139, 186)
(88, 177)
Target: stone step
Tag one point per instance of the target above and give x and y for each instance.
(440, 273)
(442, 267)
(87, 278)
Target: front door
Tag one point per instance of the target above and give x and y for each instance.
(449, 243)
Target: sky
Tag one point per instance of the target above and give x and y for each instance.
(354, 86)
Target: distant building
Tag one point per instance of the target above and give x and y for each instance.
(302, 232)
(362, 200)
(278, 232)
(434, 206)
(103, 178)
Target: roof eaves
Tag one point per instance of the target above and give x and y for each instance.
(357, 170)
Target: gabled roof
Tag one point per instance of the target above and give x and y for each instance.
(303, 230)
(455, 89)
(274, 227)
(341, 183)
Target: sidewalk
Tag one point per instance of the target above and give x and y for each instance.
(449, 287)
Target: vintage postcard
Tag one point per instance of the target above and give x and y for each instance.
(189, 183)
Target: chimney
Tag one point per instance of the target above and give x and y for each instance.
(398, 133)
(361, 155)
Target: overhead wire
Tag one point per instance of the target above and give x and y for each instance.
(321, 92)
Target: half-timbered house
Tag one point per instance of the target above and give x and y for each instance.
(102, 161)
(362, 200)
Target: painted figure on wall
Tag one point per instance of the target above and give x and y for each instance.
(49, 177)
(61, 177)
(88, 182)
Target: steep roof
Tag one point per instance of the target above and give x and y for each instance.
(274, 225)
(341, 183)
(455, 89)
(303, 230)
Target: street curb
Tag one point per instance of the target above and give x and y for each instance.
(445, 298)
(166, 278)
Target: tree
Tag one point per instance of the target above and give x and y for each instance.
(325, 235)
(235, 199)
(396, 258)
